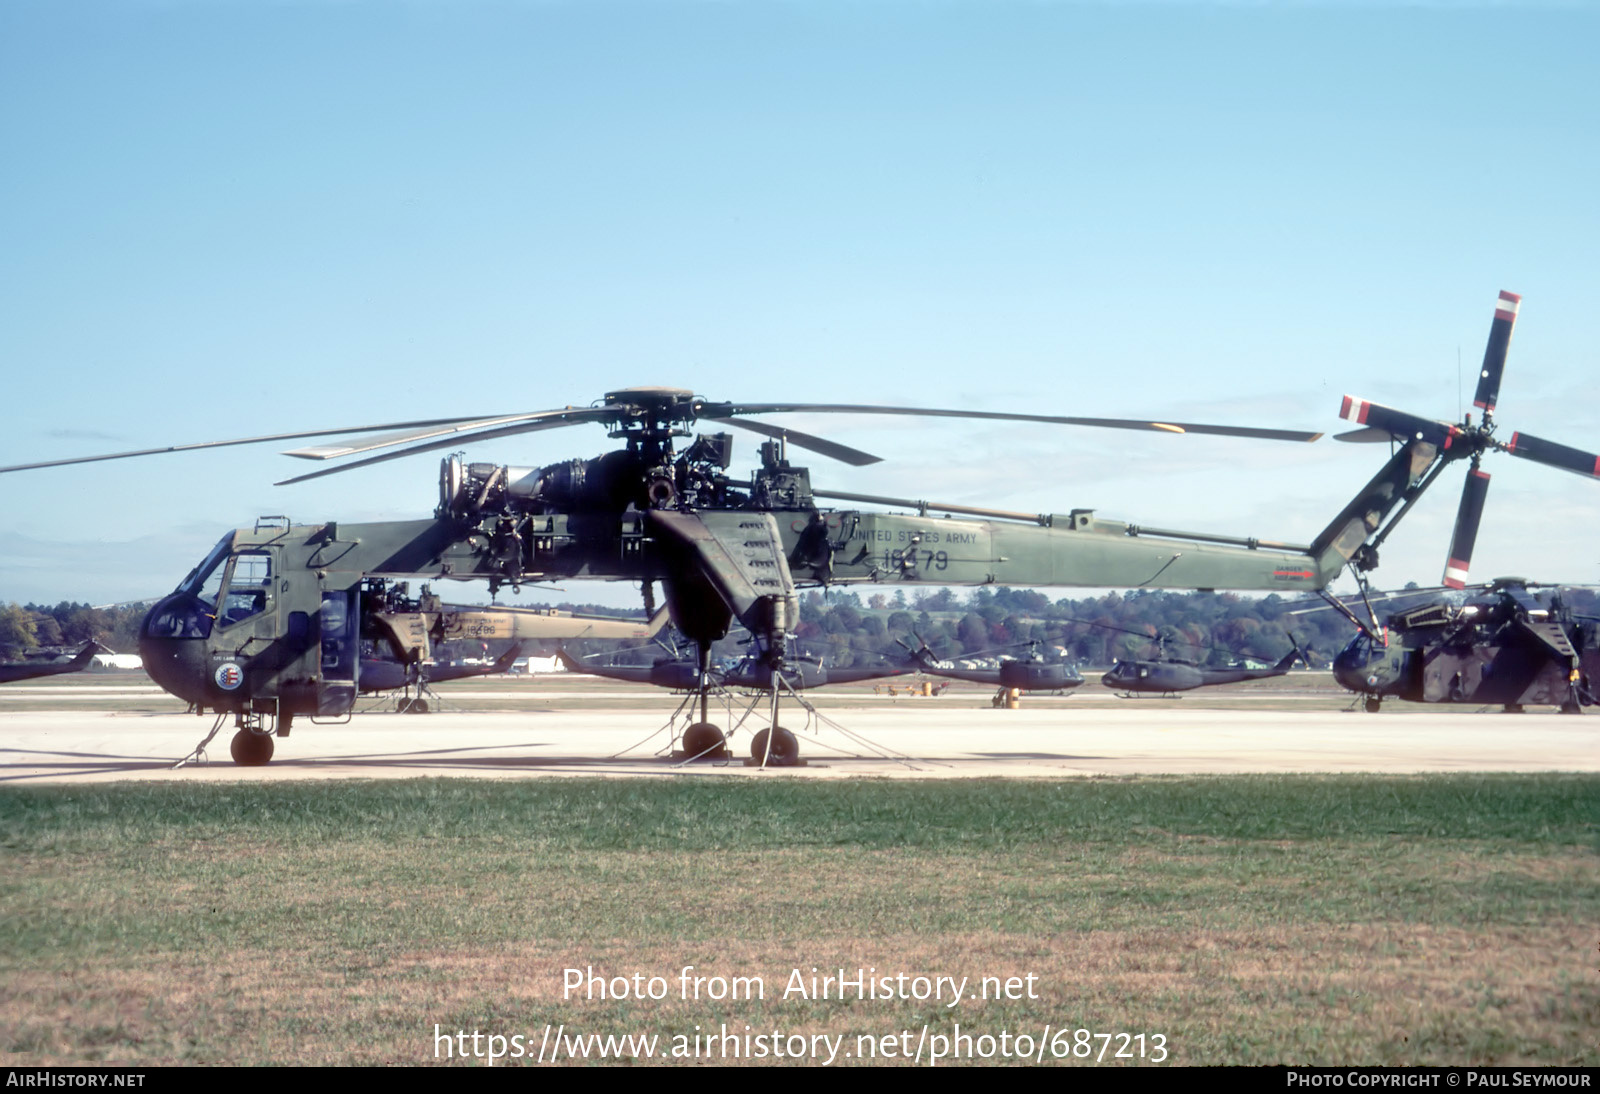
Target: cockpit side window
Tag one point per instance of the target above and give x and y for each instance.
(249, 585)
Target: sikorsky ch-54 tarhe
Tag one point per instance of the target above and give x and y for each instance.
(723, 549)
(1508, 644)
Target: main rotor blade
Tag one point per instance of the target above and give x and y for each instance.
(1465, 536)
(596, 414)
(724, 410)
(1542, 451)
(832, 449)
(457, 427)
(238, 441)
(1494, 354)
(1370, 435)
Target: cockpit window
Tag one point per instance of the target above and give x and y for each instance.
(225, 589)
(249, 582)
(205, 580)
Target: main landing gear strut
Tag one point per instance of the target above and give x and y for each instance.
(252, 745)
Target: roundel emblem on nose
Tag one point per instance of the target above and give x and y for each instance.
(1372, 681)
(229, 676)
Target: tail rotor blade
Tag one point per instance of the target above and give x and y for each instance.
(1397, 423)
(1552, 454)
(1494, 354)
(1466, 533)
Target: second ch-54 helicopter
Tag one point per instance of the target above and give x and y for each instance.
(1506, 644)
(722, 549)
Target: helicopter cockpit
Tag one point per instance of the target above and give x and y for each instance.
(226, 589)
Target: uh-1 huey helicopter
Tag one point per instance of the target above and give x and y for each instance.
(1013, 674)
(13, 671)
(722, 549)
(1165, 675)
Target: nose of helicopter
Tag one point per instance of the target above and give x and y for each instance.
(1363, 666)
(172, 645)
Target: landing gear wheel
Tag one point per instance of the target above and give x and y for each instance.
(704, 741)
(1373, 703)
(414, 706)
(251, 749)
(785, 749)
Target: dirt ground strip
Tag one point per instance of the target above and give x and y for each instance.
(1390, 993)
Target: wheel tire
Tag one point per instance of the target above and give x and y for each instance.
(785, 749)
(1373, 704)
(704, 741)
(251, 749)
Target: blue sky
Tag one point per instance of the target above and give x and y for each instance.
(223, 219)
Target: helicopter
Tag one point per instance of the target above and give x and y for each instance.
(1504, 645)
(381, 672)
(1169, 675)
(12, 671)
(722, 549)
(1012, 674)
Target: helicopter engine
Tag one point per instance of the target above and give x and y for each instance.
(606, 483)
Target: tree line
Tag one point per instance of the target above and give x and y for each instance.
(848, 629)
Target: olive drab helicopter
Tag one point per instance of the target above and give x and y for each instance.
(13, 671)
(1164, 675)
(723, 549)
(1013, 674)
(1507, 644)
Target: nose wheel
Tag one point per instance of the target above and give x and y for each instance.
(251, 749)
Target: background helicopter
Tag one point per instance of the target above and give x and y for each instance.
(12, 671)
(1506, 644)
(1168, 675)
(1033, 673)
(381, 672)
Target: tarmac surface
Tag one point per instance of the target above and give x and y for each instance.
(928, 740)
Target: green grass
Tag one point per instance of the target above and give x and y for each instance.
(1252, 919)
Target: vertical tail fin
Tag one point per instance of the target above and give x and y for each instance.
(1339, 542)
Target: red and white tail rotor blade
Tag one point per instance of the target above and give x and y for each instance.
(1494, 354)
(1552, 454)
(1399, 424)
(1465, 536)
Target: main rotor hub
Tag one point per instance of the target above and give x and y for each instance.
(671, 404)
